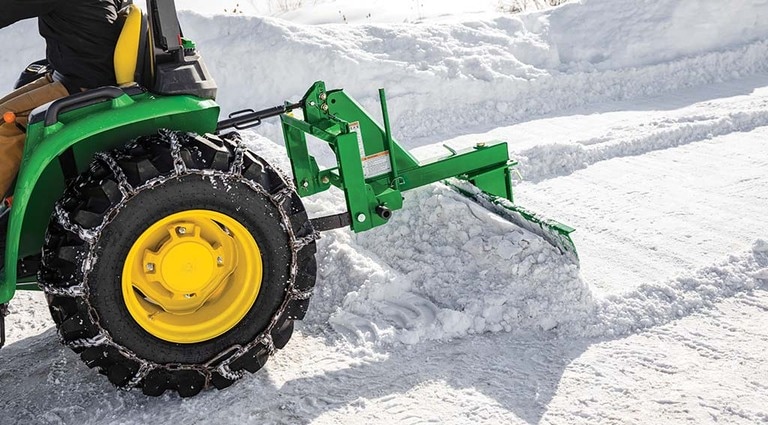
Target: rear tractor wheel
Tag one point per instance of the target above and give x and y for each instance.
(178, 262)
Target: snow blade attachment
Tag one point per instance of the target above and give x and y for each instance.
(373, 169)
(555, 233)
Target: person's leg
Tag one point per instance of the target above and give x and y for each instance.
(40, 82)
(22, 102)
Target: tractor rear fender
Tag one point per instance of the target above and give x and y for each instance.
(62, 138)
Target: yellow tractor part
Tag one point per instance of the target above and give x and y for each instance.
(192, 276)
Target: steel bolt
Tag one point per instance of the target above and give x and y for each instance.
(325, 180)
(480, 145)
(324, 107)
(305, 184)
(323, 96)
(361, 218)
(219, 261)
(150, 267)
(189, 295)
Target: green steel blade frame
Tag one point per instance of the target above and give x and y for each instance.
(373, 170)
(79, 134)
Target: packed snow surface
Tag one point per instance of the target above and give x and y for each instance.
(641, 124)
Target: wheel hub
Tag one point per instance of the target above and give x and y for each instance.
(187, 266)
(192, 276)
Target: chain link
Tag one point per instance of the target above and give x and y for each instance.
(178, 162)
(144, 369)
(300, 243)
(122, 181)
(238, 163)
(100, 339)
(76, 291)
(63, 219)
(301, 295)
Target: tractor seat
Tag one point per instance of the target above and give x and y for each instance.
(133, 61)
(153, 55)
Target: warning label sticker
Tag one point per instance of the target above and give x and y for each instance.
(373, 165)
(376, 164)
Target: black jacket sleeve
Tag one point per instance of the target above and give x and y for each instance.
(12, 11)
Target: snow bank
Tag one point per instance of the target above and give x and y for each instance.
(387, 11)
(447, 78)
(626, 33)
(356, 12)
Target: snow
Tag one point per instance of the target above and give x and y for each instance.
(642, 124)
(355, 12)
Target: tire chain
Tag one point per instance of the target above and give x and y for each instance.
(222, 363)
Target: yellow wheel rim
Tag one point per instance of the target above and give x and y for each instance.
(192, 276)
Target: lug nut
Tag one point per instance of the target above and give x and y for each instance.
(181, 230)
(150, 267)
(361, 218)
(325, 180)
(220, 261)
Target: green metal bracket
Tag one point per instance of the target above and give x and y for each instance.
(372, 168)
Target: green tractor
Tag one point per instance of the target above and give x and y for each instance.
(173, 257)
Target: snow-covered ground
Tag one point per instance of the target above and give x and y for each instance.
(642, 124)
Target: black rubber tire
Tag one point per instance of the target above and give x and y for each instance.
(97, 221)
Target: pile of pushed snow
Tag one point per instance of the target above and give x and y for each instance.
(443, 267)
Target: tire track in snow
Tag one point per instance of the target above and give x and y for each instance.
(694, 370)
(652, 305)
(548, 161)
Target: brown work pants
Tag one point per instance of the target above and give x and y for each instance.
(21, 102)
